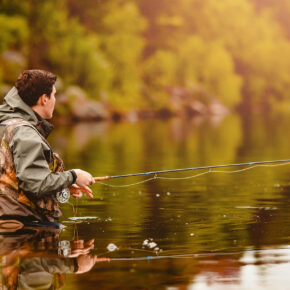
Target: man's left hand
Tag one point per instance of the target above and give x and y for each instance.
(77, 191)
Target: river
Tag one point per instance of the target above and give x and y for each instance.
(190, 230)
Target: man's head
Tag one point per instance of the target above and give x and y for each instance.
(36, 89)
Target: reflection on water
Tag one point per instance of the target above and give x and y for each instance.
(215, 231)
(38, 259)
(42, 260)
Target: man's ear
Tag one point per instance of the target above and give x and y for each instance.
(42, 100)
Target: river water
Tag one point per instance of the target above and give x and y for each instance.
(190, 230)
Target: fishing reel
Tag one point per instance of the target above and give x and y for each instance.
(63, 195)
(64, 248)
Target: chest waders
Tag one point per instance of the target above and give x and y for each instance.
(47, 206)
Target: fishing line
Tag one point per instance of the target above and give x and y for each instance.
(193, 255)
(225, 171)
(250, 164)
(73, 208)
(129, 249)
(131, 184)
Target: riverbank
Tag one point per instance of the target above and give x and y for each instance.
(73, 105)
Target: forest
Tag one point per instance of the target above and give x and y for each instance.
(177, 56)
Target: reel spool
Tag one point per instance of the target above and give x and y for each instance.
(63, 196)
(64, 248)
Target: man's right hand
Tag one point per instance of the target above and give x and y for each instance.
(84, 179)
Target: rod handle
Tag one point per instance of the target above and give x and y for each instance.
(101, 178)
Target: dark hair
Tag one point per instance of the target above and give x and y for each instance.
(31, 84)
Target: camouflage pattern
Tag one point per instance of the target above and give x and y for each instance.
(46, 206)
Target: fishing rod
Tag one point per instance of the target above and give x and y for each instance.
(192, 168)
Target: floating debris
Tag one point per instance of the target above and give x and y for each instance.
(112, 247)
(157, 195)
(168, 193)
(149, 243)
(192, 234)
(76, 218)
(152, 245)
(256, 207)
(247, 207)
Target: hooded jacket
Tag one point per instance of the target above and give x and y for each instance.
(31, 154)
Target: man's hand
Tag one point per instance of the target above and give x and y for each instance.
(84, 179)
(81, 248)
(77, 192)
(85, 260)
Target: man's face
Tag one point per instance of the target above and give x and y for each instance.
(50, 103)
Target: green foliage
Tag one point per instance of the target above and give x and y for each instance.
(123, 46)
(13, 35)
(160, 69)
(14, 7)
(130, 52)
(118, 25)
(160, 72)
(81, 62)
(196, 62)
(14, 32)
(279, 9)
(255, 42)
(210, 65)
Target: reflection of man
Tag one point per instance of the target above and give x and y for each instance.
(31, 175)
(26, 267)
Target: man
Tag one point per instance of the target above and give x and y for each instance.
(32, 177)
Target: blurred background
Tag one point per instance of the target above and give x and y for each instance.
(213, 77)
(146, 58)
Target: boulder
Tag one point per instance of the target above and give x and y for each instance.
(80, 107)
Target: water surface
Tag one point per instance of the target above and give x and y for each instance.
(214, 231)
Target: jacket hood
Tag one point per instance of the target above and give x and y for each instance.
(14, 107)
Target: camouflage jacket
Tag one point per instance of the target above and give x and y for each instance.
(31, 174)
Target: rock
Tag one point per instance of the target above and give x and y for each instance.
(132, 116)
(217, 108)
(75, 93)
(87, 110)
(197, 107)
(78, 106)
(190, 102)
(196, 101)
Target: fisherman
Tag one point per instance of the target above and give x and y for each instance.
(32, 176)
